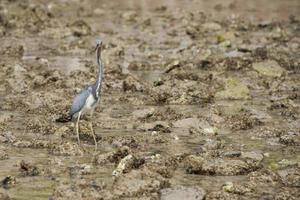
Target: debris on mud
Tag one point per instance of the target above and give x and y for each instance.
(27, 169)
(180, 192)
(66, 149)
(8, 182)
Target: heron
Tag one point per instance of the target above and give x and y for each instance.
(88, 98)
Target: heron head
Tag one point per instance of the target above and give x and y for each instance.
(99, 42)
(98, 47)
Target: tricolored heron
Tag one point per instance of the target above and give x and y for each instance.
(87, 99)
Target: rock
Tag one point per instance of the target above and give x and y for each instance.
(80, 189)
(290, 177)
(232, 154)
(143, 114)
(291, 139)
(125, 141)
(252, 157)
(287, 163)
(99, 11)
(233, 54)
(181, 192)
(196, 126)
(28, 169)
(212, 26)
(268, 68)
(222, 195)
(80, 28)
(225, 167)
(3, 155)
(212, 144)
(234, 89)
(82, 169)
(22, 144)
(198, 165)
(124, 166)
(237, 189)
(8, 182)
(207, 129)
(66, 149)
(132, 84)
(112, 157)
(171, 66)
(62, 131)
(138, 182)
(193, 164)
(7, 137)
(228, 187)
(187, 123)
(129, 16)
(159, 126)
(103, 158)
(226, 43)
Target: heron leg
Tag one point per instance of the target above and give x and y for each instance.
(77, 127)
(92, 130)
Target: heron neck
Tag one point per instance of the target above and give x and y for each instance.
(99, 74)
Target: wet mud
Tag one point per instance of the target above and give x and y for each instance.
(200, 100)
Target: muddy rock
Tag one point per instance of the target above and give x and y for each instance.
(62, 131)
(22, 144)
(8, 181)
(66, 149)
(82, 169)
(234, 89)
(290, 177)
(139, 183)
(290, 139)
(129, 16)
(193, 164)
(211, 144)
(232, 154)
(187, 123)
(81, 189)
(235, 188)
(159, 126)
(225, 167)
(80, 28)
(252, 158)
(268, 68)
(212, 26)
(284, 163)
(27, 169)
(198, 165)
(143, 114)
(3, 155)
(181, 192)
(113, 157)
(125, 141)
(222, 195)
(132, 84)
(7, 137)
(124, 166)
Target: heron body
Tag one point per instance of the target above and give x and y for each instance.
(86, 101)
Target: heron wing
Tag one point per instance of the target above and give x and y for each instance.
(79, 101)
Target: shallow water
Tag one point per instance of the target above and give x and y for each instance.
(129, 39)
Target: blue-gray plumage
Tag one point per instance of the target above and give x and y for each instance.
(88, 98)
